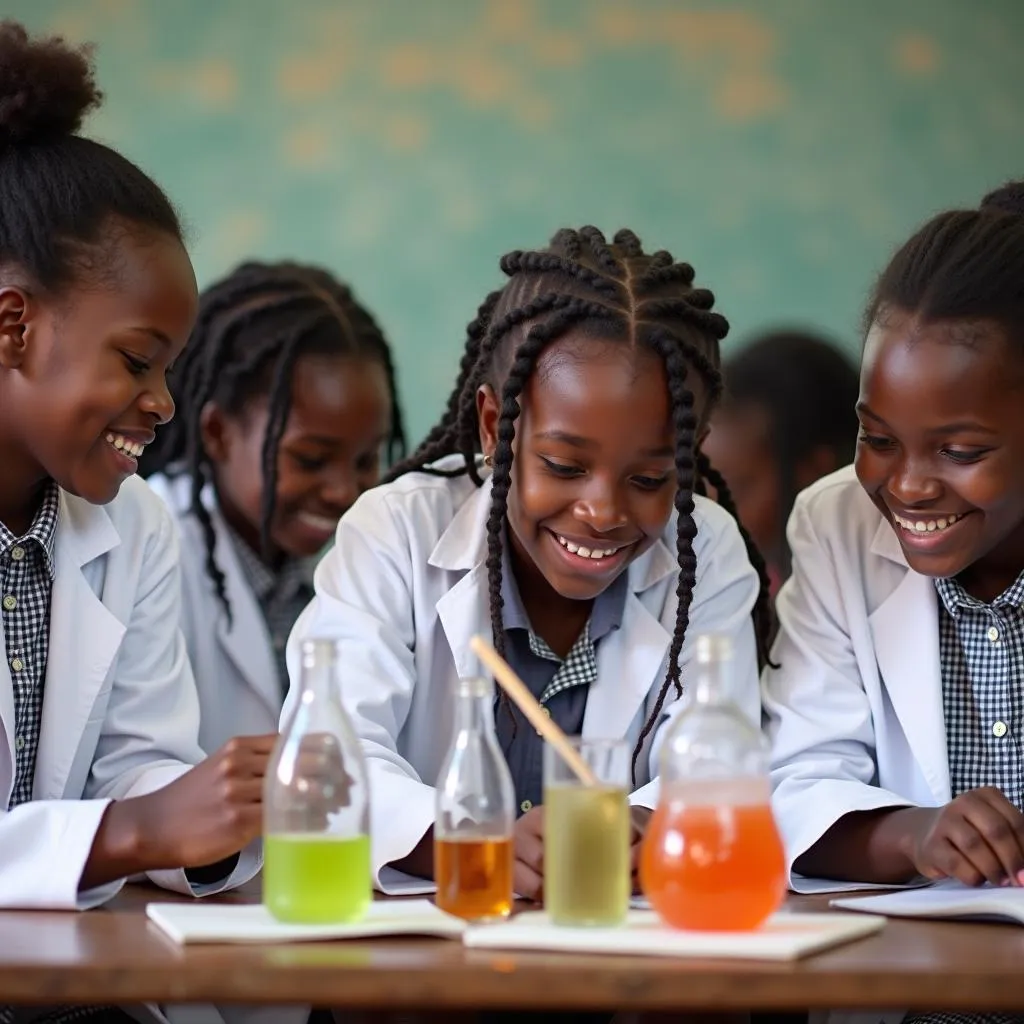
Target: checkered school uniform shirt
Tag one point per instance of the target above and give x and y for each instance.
(26, 583)
(981, 649)
(281, 595)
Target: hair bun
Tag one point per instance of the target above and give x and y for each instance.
(1007, 199)
(46, 87)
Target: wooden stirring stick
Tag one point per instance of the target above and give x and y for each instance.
(531, 709)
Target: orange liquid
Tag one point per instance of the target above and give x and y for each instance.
(713, 868)
(474, 877)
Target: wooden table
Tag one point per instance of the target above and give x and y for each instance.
(114, 955)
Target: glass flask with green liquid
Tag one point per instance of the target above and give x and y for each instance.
(316, 837)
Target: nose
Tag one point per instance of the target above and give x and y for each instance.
(601, 508)
(158, 403)
(912, 483)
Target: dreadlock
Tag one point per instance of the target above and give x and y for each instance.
(252, 327)
(644, 299)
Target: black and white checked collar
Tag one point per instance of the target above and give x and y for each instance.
(42, 532)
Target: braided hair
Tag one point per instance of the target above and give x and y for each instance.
(252, 327)
(642, 299)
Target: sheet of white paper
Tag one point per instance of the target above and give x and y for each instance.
(815, 886)
(398, 883)
(200, 922)
(948, 899)
(784, 937)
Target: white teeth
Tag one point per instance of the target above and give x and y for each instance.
(926, 525)
(584, 552)
(123, 444)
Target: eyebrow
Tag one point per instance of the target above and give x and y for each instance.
(575, 441)
(156, 335)
(965, 426)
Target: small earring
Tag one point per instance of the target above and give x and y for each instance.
(488, 460)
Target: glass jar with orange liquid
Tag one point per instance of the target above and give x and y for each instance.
(712, 858)
(475, 813)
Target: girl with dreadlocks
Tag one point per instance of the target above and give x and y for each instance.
(556, 507)
(286, 404)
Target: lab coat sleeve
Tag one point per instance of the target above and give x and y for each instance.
(150, 733)
(723, 600)
(364, 600)
(818, 717)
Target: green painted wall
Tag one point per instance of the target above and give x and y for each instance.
(782, 146)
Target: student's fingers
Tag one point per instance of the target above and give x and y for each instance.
(527, 882)
(944, 860)
(1000, 826)
(529, 849)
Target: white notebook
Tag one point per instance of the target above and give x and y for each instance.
(947, 899)
(188, 923)
(784, 937)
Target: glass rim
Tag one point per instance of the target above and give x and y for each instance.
(597, 742)
(474, 686)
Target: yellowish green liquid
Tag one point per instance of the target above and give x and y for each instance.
(586, 855)
(316, 879)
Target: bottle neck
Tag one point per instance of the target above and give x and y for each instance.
(318, 678)
(474, 710)
(711, 684)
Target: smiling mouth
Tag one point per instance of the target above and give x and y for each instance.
(591, 554)
(124, 445)
(323, 523)
(920, 526)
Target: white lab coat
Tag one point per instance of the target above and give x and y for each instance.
(120, 715)
(119, 709)
(405, 589)
(854, 712)
(233, 662)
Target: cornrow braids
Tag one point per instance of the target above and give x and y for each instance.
(251, 329)
(581, 281)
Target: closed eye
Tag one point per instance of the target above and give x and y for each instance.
(137, 366)
(965, 458)
(559, 469)
(650, 483)
(874, 441)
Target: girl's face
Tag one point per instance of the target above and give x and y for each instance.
(593, 477)
(82, 378)
(941, 447)
(329, 453)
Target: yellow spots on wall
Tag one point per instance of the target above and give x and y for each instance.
(310, 76)
(916, 54)
(212, 83)
(407, 132)
(307, 147)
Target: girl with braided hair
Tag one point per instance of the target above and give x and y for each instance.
(558, 508)
(286, 409)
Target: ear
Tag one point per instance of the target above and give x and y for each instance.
(15, 311)
(215, 432)
(487, 413)
(818, 463)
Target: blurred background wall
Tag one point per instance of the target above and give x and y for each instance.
(781, 146)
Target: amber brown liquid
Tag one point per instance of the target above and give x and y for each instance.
(474, 877)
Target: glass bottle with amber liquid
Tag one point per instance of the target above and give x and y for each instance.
(475, 813)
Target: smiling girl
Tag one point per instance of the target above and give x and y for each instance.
(286, 409)
(896, 716)
(554, 507)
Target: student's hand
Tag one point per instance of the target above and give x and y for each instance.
(976, 838)
(528, 844)
(212, 811)
(638, 819)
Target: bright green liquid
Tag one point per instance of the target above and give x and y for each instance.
(316, 879)
(586, 855)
